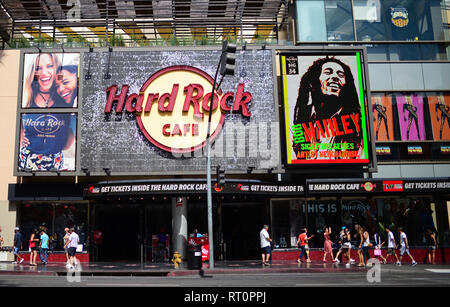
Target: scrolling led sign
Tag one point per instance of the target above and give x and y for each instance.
(172, 107)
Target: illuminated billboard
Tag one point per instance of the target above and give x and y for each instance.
(325, 112)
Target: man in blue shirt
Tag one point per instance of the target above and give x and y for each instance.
(43, 247)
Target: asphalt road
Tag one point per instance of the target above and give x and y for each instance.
(387, 276)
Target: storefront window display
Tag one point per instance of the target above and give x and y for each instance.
(55, 217)
(415, 214)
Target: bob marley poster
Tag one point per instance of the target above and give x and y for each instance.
(324, 109)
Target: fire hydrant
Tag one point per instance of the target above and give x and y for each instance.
(176, 259)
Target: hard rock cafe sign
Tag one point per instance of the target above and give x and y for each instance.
(173, 105)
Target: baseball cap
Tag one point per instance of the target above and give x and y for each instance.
(17, 228)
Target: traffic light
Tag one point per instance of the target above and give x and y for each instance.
(228, 59)
(220, 177)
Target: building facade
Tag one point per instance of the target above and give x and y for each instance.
(107, 132)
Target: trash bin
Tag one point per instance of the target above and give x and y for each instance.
(194, 257)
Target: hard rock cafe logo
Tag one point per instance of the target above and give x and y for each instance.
(172, 107)
(399, 17)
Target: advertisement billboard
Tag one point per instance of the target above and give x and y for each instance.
(411, 117)
(325, 114)
(47, 142)
(382, 117)
(440, 116)
(50, 80)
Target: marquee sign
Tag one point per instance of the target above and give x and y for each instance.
(172, 107)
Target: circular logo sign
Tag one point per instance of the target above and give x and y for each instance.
(175, 117)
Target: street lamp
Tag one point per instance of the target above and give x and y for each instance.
(227, 67)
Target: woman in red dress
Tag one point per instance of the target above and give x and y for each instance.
(327, 246)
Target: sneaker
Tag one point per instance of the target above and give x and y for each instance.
(14, 262)
(337, 261)
(21, 260)
(398, 263)
(414, 263)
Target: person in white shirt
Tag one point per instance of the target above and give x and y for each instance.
(265, 245)
(404, 247)
(392, 246)
(72, 244)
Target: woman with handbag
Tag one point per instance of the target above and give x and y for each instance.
(33, 246)
(377, 252)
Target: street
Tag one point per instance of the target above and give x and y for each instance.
(389, 276)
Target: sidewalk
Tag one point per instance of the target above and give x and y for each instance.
(167, 269)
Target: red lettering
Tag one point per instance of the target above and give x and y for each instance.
(177, 130)
(223, 101)
(355, 119)
(320, 132)
(190, 98)
(336, 128)
(207, 102)
(170, 97)
(113, 97)
(164, 130)
(309, 132)
(242, 99)
(149, 102)
(138, 104)
(345, 124)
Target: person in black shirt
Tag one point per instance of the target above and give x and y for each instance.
(17, 245)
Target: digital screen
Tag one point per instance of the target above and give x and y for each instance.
(324, 109)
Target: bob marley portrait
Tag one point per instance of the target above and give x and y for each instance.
(328, 113)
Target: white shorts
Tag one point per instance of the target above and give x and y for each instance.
(403, 250)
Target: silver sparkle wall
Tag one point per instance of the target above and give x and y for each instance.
(116, 142)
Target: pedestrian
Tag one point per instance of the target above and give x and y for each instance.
(346, 246)
(404, 247)
(1, 238)
(366, 245)
(43, 246)
(33, 246)
(303, 241)
(17, 245)
(72, 245)
(431, 246)
(377, 252)
(360, 237)
(265, 245)
(392, 246)
(162, 244)
(66, 249)
(327, 245)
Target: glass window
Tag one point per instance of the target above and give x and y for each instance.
(55, 216)
(412, 20)
(339, 20)
(310, 16)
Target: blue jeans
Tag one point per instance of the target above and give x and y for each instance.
(303, 253)
(43, 254)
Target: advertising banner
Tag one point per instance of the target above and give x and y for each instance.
(50, 80)
(411, 117)
(382, 117)
(147, 111)
(324, 108)
(47, 142)
(440, 116)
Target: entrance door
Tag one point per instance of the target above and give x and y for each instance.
(121, 226)
(241, 224)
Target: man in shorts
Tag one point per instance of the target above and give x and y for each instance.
(404, 247)
(265, 245)
(72, 244)
(392, 246)
(17, 245)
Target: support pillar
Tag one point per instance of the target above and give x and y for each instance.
(179, 225)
